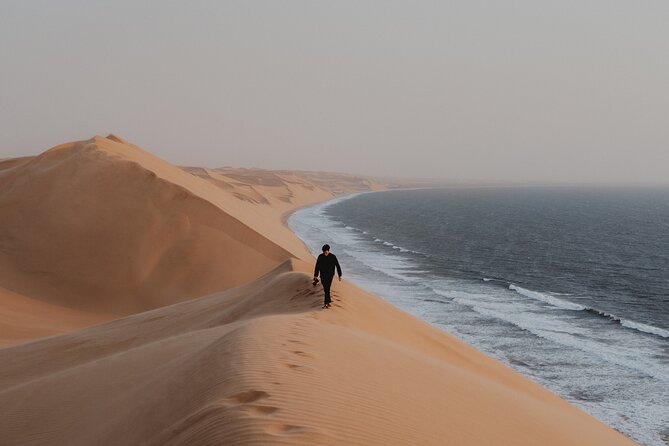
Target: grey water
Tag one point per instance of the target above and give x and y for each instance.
(567, 285)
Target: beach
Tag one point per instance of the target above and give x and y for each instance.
(146, 303)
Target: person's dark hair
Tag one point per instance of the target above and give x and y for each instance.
(326, 247)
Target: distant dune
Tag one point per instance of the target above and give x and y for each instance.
(213, 333)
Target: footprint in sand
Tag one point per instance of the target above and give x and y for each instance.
(244, 400)
(308, 435)
(249, 396)
(300, 368)
(284, 429)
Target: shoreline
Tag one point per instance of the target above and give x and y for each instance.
(603, 416)
(286, 215)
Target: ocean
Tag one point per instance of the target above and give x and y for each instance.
(567, 285)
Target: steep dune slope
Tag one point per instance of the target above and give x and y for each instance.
(262, 364)
(102, 226)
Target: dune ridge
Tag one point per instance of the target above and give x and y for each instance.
(240, 367)
(254, 362)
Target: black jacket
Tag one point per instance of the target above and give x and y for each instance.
(326, 265)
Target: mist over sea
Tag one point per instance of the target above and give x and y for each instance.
(569, 286)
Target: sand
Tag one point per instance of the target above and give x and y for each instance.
(100, 230)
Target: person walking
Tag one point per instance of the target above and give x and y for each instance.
(325, 265)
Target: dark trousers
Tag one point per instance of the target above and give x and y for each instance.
(326, 281)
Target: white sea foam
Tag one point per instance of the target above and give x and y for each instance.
(393, 246)
(645, 328)
(547, 298)
(392, 266)
(566, 305)
(565, 331)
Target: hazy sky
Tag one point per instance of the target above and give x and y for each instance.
(495, 90)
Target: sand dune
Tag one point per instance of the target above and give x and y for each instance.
(105, 226)
(98, 229)
(101, 229)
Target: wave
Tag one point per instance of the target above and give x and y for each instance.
(563, 331)
(393, 246)
(495, 281)
(441, 293)
(547, 298)
(567, 305)
(638, 326)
